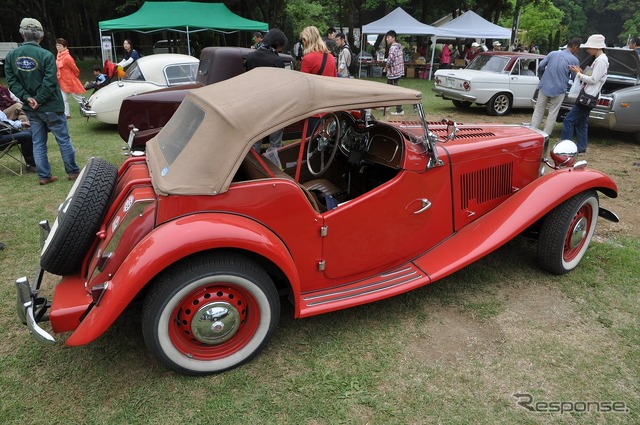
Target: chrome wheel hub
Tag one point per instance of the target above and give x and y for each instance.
(215, 323)
(578, 233)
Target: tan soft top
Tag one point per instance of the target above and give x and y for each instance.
(202, 146)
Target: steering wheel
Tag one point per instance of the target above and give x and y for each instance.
(323, 143)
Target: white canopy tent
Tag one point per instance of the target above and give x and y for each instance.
(469, 25)
(399, 21)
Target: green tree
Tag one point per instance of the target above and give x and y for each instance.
(539, 22)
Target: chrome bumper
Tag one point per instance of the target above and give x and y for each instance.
(31, 308)
(453, 95)
(28, 301)
(85, 110)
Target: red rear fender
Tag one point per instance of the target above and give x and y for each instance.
(172, 242)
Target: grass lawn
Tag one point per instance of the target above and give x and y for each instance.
(453, 352)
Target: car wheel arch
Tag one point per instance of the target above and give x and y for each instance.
(144, 263)
(500, 110)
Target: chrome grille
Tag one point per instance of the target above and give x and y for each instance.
(486, 184)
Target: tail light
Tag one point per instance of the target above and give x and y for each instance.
(466, 85)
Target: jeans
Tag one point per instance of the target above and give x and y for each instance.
(577, 120)
(26, 146)
(41, 122)
(554, 103)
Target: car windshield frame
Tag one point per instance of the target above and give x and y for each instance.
(134, 73)
(489, 63)
(176, 74)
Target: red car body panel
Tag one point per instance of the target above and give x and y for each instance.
(161, 247)
(509, 219)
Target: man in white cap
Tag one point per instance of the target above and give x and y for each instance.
(471, 53)
(31, 76)
(497, 46)
(577, 120)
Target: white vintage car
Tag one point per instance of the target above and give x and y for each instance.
(144, 75)
(499, 80)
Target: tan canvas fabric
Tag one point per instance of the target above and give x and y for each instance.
(239, 111)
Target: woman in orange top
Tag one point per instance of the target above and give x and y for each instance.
(68, 74)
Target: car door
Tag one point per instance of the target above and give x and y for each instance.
(389, 225)
(523, 81)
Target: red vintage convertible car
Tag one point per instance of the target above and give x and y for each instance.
(213, 236)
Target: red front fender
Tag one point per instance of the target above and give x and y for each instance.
(172, 242)
(511, 218)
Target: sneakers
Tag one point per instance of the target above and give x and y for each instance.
(49, 180)
(73, 176)
(397, 113)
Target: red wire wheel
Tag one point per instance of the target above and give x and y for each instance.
(210, 313)
(214, 322)
(566, 232)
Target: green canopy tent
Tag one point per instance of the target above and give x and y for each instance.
(184, 17)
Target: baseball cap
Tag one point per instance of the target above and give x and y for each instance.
(497, 43)
(475, 45)
(31, 24)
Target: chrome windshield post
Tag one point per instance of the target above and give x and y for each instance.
(429, 140)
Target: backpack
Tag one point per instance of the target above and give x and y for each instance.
(353, 65)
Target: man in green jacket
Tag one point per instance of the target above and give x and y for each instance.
(31, 76)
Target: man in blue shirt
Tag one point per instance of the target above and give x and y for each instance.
(553, 84)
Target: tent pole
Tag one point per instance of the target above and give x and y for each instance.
(188, 42)
(433, 54)
(100, 41)
(360, 55)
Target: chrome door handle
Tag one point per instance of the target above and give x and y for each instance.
(426, 204)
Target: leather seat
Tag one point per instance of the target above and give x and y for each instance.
(252, 169)
(322, 185)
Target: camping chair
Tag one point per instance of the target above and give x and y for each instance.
(7, 145)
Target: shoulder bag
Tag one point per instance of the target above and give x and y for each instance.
(587, 100)
(324, 63)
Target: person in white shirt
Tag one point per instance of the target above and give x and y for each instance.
(344, 58)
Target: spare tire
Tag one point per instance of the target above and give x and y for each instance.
(79, 218)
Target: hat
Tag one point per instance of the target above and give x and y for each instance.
(475, 45)
(497, 43)
(595, 41)
(31, 24)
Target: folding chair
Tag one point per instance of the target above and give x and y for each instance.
(7, 146)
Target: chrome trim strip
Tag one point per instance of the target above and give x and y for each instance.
(360, 294)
